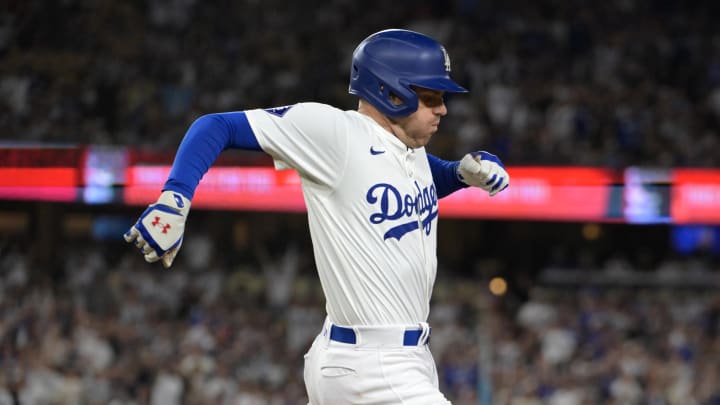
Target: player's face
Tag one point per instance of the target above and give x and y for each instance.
(419, 127)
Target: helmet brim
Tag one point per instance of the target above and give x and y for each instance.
(440, 83)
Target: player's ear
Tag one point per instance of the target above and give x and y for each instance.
(395, 99)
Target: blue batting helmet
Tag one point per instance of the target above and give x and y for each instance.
(389, 62)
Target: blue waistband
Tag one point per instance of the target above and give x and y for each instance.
(347, 335)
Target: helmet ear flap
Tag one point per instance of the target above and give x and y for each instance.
(403, 97)
(368, 86)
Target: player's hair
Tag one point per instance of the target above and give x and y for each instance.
(389, 62)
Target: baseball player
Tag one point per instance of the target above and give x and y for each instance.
(372, 195)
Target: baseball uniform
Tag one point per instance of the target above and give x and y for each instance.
(372, 212)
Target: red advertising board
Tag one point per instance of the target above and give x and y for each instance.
(249, 188)
(97, 175)
(535, 193)
(542, 193)
(695, 196)
(38, 183)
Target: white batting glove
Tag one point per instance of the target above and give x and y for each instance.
(159, 231)
(484, 170)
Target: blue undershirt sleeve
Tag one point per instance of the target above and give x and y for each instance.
(206, 138)
(445, 176)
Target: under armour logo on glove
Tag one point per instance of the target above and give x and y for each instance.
(164, 227)
(159, 231)
(484, 170)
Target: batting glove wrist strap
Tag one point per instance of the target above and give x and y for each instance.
(484, 170)
(158, 233)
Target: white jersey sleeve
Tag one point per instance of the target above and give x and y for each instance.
(308, 137)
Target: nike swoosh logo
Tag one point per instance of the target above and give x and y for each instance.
(375, 152)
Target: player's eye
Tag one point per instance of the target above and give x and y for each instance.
(429, 98)
(432, 100)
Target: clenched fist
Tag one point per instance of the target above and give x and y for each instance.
(484, 170)
(158, 233)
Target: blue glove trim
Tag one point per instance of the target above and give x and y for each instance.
(488, 156)
(445, 176)
(163, 208)
(498, 184)
(206, 138)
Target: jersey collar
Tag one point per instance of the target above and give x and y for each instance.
(389, 140)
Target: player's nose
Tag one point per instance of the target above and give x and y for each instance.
(440, 110)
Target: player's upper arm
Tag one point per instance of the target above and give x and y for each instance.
(309, 137)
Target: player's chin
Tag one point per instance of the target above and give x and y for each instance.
(421, 138)
(420, 142)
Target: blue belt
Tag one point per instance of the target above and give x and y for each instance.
(347, 335)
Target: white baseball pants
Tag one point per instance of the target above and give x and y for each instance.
(381, 367)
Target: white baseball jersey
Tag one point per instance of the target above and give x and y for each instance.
(372, 210)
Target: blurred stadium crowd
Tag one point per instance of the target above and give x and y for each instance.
(105, 328)
(608, 83)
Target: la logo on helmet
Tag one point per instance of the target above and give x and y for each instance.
(447, 59)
